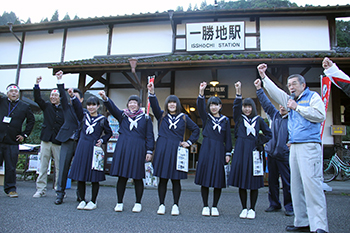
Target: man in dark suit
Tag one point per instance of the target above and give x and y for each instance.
(13, 112)
(68, 136)
(50, 146)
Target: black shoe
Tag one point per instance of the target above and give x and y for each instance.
(58, 201)
(272, 209)
(289, 213)
(320, 231)
(298, 229)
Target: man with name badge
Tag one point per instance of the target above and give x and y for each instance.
(13, 112)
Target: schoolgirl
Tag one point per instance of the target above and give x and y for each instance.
(241, 174)
(93, 125)
(135, 145)
(215, 150)
(172, 125)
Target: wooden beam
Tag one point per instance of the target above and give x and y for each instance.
(64, 41)
(160, 76)
(305, 70)
(135, 85)
(20, 55)
(110, 38)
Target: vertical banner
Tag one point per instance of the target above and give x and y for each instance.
(150, 80)
(326, 90)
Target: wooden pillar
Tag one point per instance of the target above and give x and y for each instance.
(285, 75)
(332, 32)
(172, 82)
(64, 41)
(143, 90)
(81, 83)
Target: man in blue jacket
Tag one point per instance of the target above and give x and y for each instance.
(307, 111)
(278, 153)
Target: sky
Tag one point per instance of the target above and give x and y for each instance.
(37, 10)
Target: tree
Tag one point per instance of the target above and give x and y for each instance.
(55, 16)
(44, 20)
(9, 18)
(343, 33)
(66, 17)
(189, 7)
(246, 4)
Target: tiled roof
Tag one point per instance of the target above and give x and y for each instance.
(105, 60)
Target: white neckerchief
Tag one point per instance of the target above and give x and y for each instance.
(133, 123)
(90, 125)
(250, 124)
(174, 120)
(216, 122)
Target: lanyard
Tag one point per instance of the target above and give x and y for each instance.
(10, 111)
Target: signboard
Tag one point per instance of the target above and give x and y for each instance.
(215, 36)
(220, 91)
(338, 130)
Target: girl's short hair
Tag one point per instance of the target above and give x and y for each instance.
(213, 100)
(92, 100)
(136, 98)
(250, 101)
(172, 98)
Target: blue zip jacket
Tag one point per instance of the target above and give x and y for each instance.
(277, 146)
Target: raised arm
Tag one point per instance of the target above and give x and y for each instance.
(276, 93)
(112, 108)
(268, 107)
(37, 95)
(78, 107)
(201, 103)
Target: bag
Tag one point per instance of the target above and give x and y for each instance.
(98, 156)
(150, 180)
(258, 166)
(182, 159)
(182, 155)
(227, 168)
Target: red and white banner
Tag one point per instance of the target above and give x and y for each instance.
(150, 80)
(325, 91)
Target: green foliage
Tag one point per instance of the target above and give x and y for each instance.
(55, 16)
(248, 4)
(343, 33)
(34, 137)
(9, 18)
(66, 17)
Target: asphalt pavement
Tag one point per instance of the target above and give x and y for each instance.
(28, 214)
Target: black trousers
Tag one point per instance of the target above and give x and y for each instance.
(66, 156)
(9, 154)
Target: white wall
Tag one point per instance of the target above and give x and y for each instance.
(9, 48)
(294, 34)
(7, 77)
(42, 47)
(142, 38)
(86, 42)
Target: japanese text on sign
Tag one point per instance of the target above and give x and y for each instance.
(215, 36)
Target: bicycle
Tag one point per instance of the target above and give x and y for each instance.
(335, 165)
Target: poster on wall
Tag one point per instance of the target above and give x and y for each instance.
(215, 36)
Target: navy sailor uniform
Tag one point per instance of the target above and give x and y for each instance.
(171, 133)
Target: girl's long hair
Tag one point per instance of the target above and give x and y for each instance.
(250, 101)
(172, 98)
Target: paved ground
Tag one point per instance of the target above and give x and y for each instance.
(27, 214)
